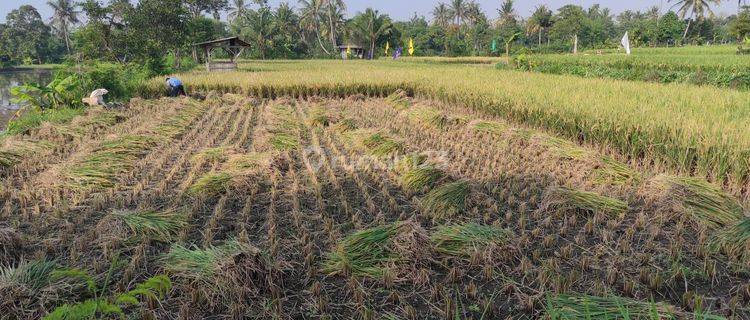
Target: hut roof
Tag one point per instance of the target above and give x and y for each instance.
(230, 41)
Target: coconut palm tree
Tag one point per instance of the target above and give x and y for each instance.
(371, 26)
(238, 9)
(697, 9)
(63, 18)
(441, 15)
(458, 8)
(539, 21)
(332, 8)
(507, 13)
(310, 13)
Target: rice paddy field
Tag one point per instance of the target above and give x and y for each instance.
(381, 190)
(718, 66)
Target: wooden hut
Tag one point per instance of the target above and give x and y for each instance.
(233, 46)
(354, 51)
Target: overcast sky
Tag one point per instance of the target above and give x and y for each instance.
(403, 9)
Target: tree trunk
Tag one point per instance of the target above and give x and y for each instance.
(330, 24)
(540, 37)
(575, 44)
(684, 34)
(177, 59)
(372, 49)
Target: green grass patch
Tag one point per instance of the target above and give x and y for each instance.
(211, 184)
(614, 172)
(371, 251)
(111, 158)
(34, 119)
(161, 226)
(447, 200)
(565, 199)
(465, 239)
(565, 306)
(706, 203)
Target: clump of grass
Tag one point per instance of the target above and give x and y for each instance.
(161, 226)
(420, 177)
(399, 100)
(245, 162)
(14, 151)
(213, 155)
(490, 127)
(345, 125)
(204, 264)
(734, 241)
(32, 286)
(615, 172)
(446, 200)
(371, 251)
(426, 115)
(566, 306)
(175, 125)
(465, 239)
(110, 159)
(566, 199)
(319, 117)
(283, 140)
(381, 145)
(211, 184)
(224, 274)
(704, 202)
(409, 162)
(564, 148)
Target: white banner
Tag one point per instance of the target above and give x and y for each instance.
(626, 43)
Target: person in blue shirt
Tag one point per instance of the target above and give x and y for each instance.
(174, 87)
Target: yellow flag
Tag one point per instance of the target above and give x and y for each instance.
(387, 46)
(348, 50)
(411, 46)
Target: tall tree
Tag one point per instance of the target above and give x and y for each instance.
(458, 8)
(332, 8)
(441, 15)
(63, 18)
(26, 34)
(197, 7)
(238, 10)
(310, 19)
(696, 8)
(540, 21)
(372, 27)
(507, 13)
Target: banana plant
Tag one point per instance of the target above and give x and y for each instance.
(58, 93)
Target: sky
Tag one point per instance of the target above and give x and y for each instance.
(404, 9)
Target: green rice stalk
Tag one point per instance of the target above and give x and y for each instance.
(420, 177)
(282, 140)
(345, 125)
(363, 253)
(110, 159)
(565, 306)
(566, 199)
(177, 124)
(14, 151)
(161, 226)
(211, 184)
(319, 117)
(706, 203)
(379, 144)
(202, 264)
(465, 239)
(615, 172)
(564, 148)
(490, 127)
(446, 200)
(410, 162)
(399, 100)
(734, 241)
(427, 115)
(212, 155)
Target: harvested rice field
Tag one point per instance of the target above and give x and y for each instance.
(234, 207)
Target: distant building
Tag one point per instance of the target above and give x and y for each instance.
(354, 51)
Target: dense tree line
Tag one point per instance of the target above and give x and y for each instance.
(159, 33)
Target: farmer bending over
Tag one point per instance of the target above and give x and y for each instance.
(175, 87)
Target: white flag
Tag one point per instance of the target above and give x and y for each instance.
(626, 42)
